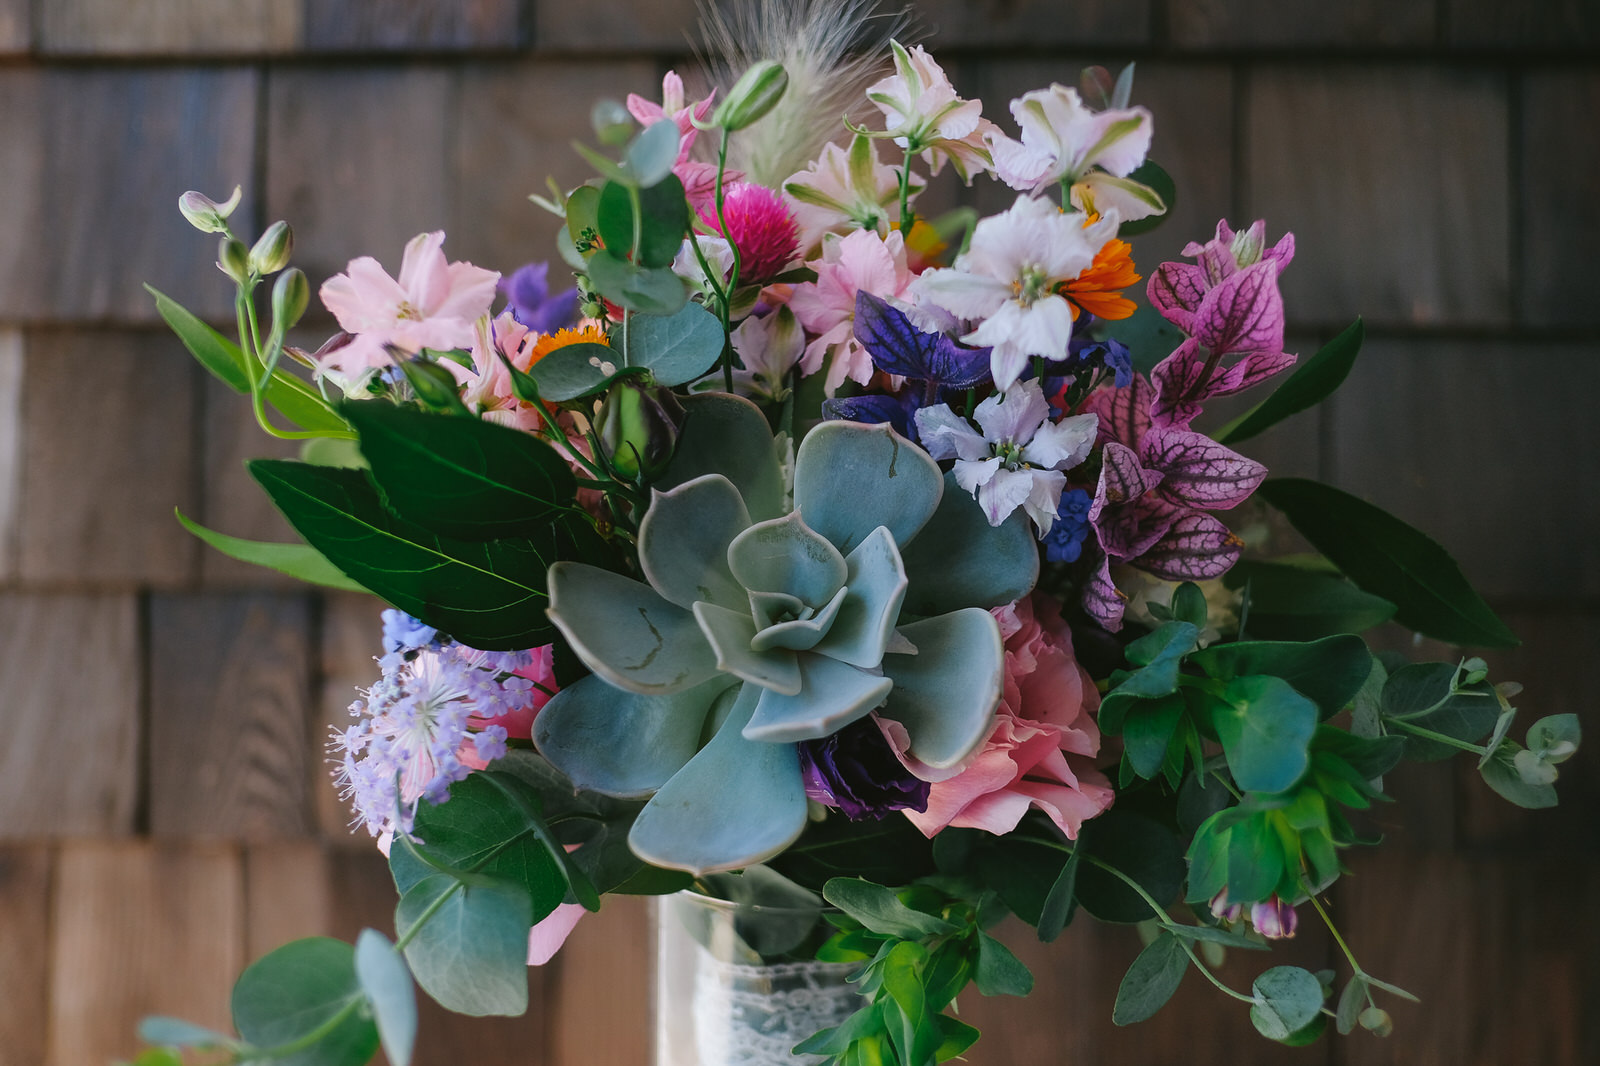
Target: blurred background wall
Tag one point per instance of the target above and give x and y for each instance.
(165, 814)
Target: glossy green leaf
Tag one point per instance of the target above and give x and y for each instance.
(1059, 905)
(1311, 383)
(664, 219)
(999, 972)
(384, 978)
(1293, 603)
(297, 560)
(1151, 981)
(471, 955)
(1329, 672)
(676, 348)
(488, 595)
(575, 370)
(1140, 848)
(293, 398)
(1158, 655)
(462, 477)
(1389, 558)
(1288, 999)
(955, 1036)
(1265, 727)
(880, 910)
(290, 992)
(583, 210)
(1147, 730)
(653, 290)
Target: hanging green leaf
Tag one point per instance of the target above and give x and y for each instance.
(663, 221)
(471, 953)
(1388, 558)
(999, 972)
(383, 976)
(1311, 383)
(291, 992)
(297, 560)
(1150, 982)
(1288, 999)
(1294, 603)
(677, 348)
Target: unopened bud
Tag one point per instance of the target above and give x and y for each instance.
(1225, 911)
(291, 294)
(1274, 919)
(233, 259)
(1376, 1021)
(204, 213)
(752, 96)
(638, 428)
(435, 386)
(612, 123)
(271, 252)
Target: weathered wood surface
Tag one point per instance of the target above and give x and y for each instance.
(25, 961)
(168, 27)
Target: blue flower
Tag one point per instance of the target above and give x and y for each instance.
(1065, 541)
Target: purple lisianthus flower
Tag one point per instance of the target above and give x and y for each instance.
(528, 292)
(1064, 543)
(856, 771)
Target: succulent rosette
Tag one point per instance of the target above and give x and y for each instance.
(759, 626)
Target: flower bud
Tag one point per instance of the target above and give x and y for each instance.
(1225, 911)
(1275, 919)
(291, 294)
(752, 96)
(1376, 1021)
(612, 123)
(638, 428)
(204, 213)
(233, 259)
(435, 386)
(271, 252)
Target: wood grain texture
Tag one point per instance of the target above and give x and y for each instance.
(140, 929)
(232, 502)
(1394, 181)
(70, 670)
(412, 25)
(1500, 950)
(230, 726)
(514, 124)
(1031, 24)
(1543, 24)
(1558, 168)
(362, 187)
(614, 26)
(11, 447)
(598, 1001)
(115, 526)
(16, 26)
(93, 161)
(1407, 437)
(25, 962)
(1363, 24)
(168, 27)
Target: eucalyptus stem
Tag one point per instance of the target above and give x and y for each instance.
(300, 1043)
(1441, 738)
(733, 278)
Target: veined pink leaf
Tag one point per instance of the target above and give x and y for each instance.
(1195, 548)
(1198, 471)
(1124, 413)
(1242, 314)
(1102, 600)
(1176, 290)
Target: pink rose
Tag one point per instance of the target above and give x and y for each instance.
(1044, 740)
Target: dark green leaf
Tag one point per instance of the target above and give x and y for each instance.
(1159, 654)
(664, 221)
(892, 850)
(1139, 847)
(1214, 935)
(575, 370)
(1416, 689)
(1061, 902)
(917, 1035)
(880, 910)
(471, 955)
(955, 1036)
(676, 348)
(1287, 1000)
(297, 560)
(1148, 729)
(293, 398)
(1390, 559)
(488, 595)
(384, 978)
(1351, 1003)
(1500, 773)
(1150, 981)
(1265, 728)
(1189, 605)
(289, 992)
(999, 972)
(1311, 383)
(462, 477)
(1293, 603)
(583, 210)
(1022, 869)
(1256, 862)
(1369, 758)
(1329, 672)
(653, 290)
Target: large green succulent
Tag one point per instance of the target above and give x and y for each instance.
(759, 629)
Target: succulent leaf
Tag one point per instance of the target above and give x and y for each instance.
(801, 634)
(626, 632)
(875, 587)
(960, 560)
(833, 694)
(786, 555)
(728, 435)
(945, 694)
(850, 478)
(730, 635)
(684, 538)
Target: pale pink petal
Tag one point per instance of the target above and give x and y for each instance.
(547, 936)
(422, 270)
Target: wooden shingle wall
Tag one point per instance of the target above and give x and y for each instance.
(166, 811)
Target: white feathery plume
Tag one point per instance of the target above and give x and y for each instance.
(831, 49)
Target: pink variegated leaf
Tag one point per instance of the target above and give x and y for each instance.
(1102, 600)
(1196, 547)
(1281, 253)
(1176, 290)
(1242, 314)
(1172, 380)
(1198, 471)
(1122, 478)
(1248, 372)
(1124, 414)
(1129, 530)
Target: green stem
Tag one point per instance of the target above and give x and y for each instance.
(1334, 932)
(1165, 917)
(733, 278)
(300, 1043)
(908, 217)
(1428, 734)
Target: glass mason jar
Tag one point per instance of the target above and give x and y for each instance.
(736, 983)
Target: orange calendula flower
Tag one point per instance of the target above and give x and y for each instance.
(1098, 289)
(590, 332)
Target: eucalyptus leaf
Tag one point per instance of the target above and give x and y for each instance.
(1389, 558)
(1351, 1003)
(471, 953)
(1311, 383)
(663, 221)
(290, 992)
(573, 371)
(176, 1032)
(653, 290)
(651, 156)
(1151, 981)
(1265, 727)
(384, 978)
(1288, 999)
(1501, 774)
(297, 560)
(677, 348)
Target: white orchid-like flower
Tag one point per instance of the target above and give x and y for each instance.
(1020, 460)
(840, 191)
(923, 114)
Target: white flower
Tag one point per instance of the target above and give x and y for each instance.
(1091, 151)
(1007, 280)
(841, 191)
(769, 347)
(924, 114)
(1022, 457)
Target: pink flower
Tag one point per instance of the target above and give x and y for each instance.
(1039, 754)
(434, 304)
(699, 179)
(859, 261)
(760, 225)
(924, 114)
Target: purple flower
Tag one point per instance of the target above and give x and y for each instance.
(856, 771)
(402, 633)
(528, 291)
(874, 409)
(899, 347)
(1065, 541)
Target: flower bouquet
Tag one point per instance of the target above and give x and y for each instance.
(857, 576)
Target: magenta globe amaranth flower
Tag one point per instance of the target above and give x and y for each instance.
(758, 628)
(760, 225)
